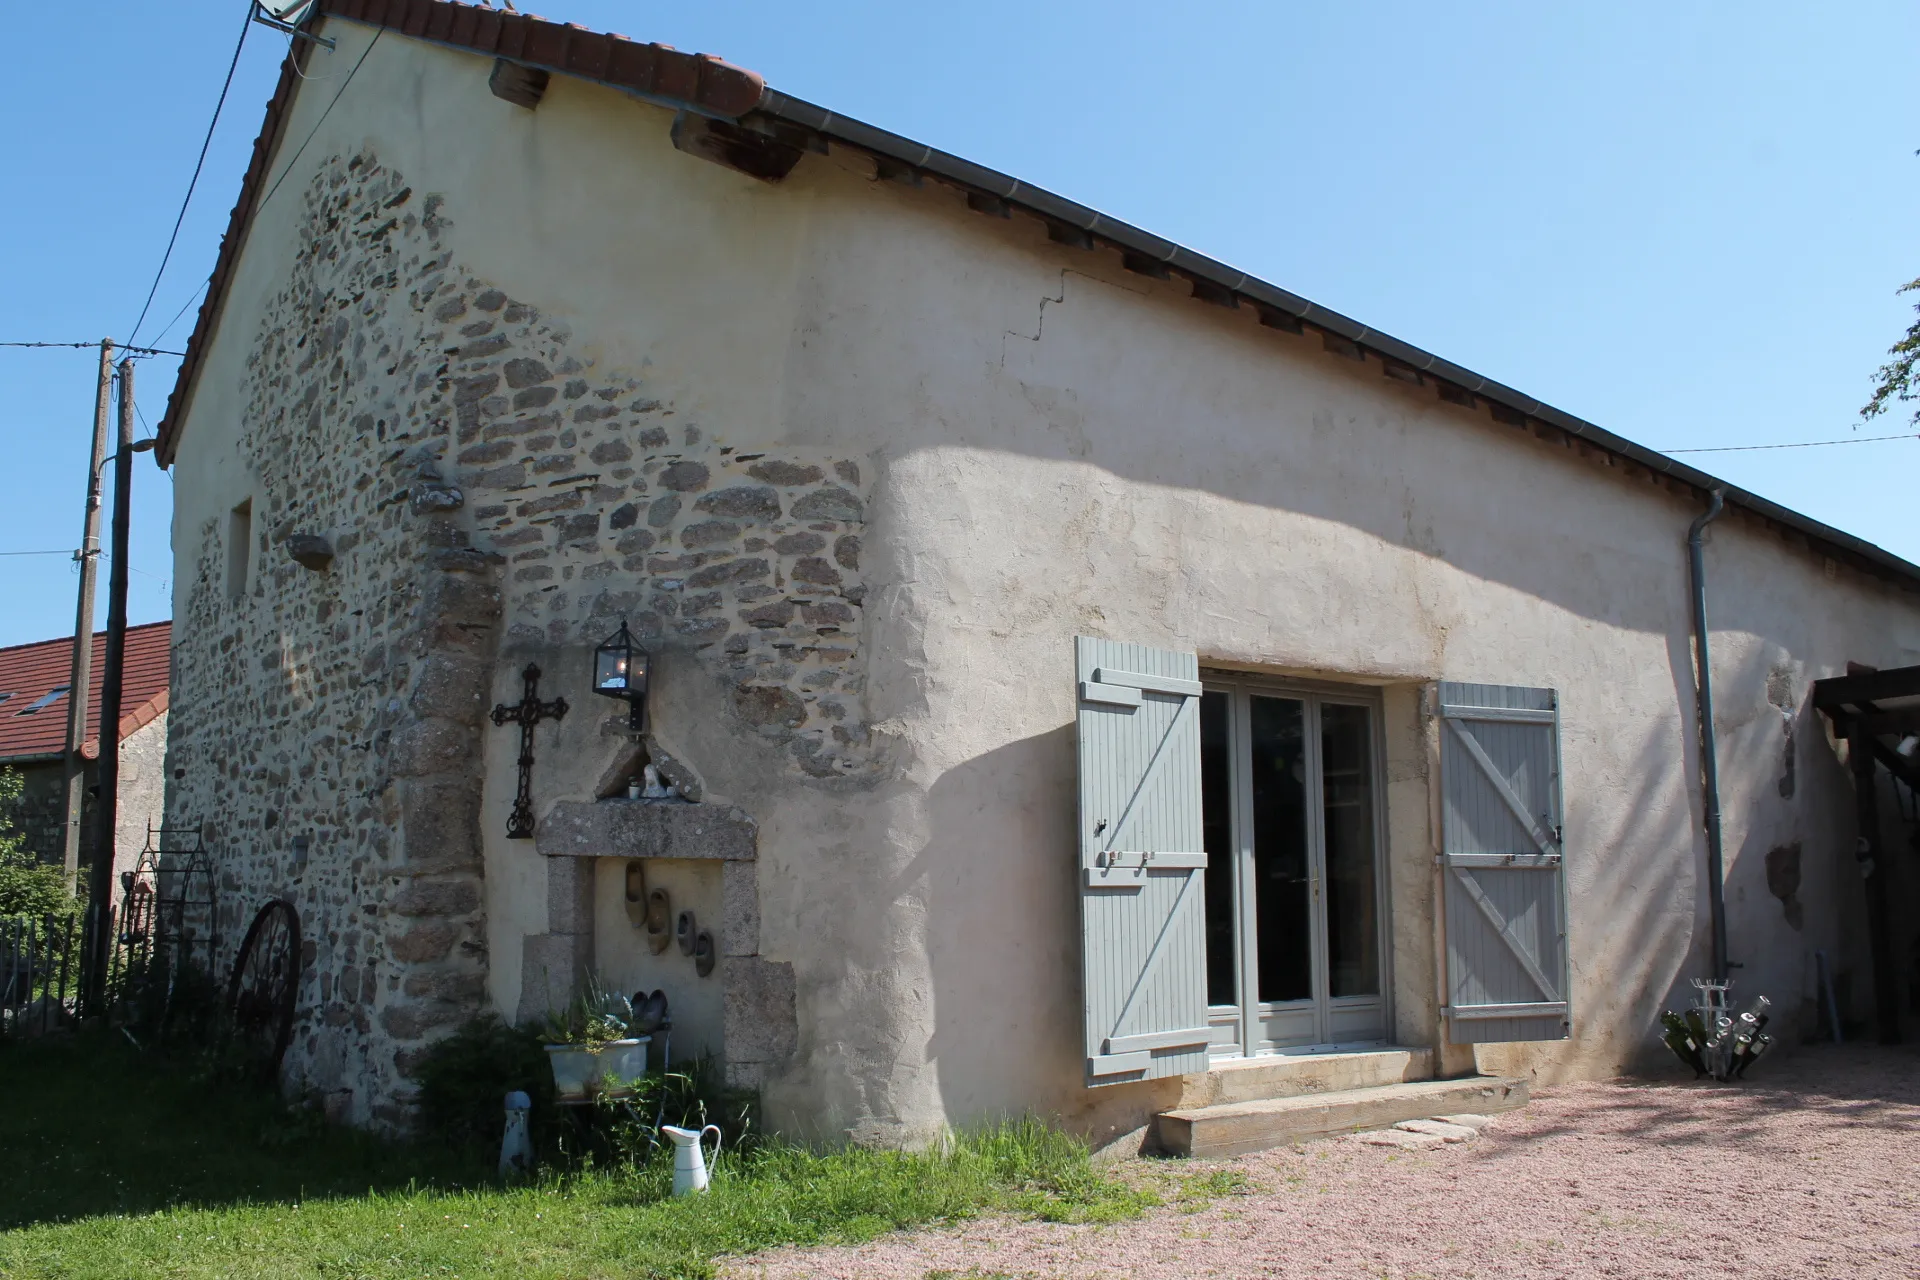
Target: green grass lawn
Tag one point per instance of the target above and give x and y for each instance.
(112, 1166)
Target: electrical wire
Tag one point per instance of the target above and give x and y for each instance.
(71, 555)
(138, 352)
(198, 165)
(183, 309)
(1803, 444)
(378, 32)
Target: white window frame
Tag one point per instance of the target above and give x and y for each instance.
(1230, 1022)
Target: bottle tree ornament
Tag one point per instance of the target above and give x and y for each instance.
(1712, 1038)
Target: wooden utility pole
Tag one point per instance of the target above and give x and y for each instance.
(81, 673)
(106, 811)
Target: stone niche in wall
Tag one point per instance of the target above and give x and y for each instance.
(705, 857)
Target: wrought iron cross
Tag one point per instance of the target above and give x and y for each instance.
(526, 713)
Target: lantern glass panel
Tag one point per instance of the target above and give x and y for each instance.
(611, 668)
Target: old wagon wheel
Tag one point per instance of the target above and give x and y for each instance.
(266, 977)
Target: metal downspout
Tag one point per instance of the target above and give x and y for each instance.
(1709, 753)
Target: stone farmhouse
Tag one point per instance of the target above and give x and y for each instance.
(1090, 681)
(35, 682)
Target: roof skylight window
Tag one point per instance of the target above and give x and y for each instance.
(43, 702)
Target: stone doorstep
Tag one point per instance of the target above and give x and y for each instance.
(1236, 1128)
(1423, 1135)
(1287, 1075)
(1439, 1129)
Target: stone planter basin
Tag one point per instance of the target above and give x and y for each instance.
(580, 1071)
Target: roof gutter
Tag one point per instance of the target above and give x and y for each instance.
(1709, 745)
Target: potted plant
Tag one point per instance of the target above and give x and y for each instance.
(589, 1046)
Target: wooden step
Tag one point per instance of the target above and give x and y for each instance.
(1235, 1128)
(1283, 1075)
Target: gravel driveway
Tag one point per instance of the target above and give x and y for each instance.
(1809, 1170)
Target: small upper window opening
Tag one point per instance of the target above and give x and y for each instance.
(44, 701)
(239, 548)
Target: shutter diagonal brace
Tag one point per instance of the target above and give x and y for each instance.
(1498, 782)
(1187, 702)
(1153, 956)
(1505, 930)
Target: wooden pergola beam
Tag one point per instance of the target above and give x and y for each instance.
(1838, 692)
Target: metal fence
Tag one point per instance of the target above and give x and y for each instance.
(39, 972)
(41, 958)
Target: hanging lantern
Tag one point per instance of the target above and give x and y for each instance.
(620, 671)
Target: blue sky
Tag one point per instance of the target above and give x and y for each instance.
(1685, 223)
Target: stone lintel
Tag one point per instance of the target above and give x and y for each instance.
(645, 829)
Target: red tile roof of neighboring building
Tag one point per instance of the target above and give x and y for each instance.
(29, 672)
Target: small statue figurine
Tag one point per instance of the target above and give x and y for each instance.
(655, 789)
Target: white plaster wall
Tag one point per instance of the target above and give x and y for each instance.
(516, 877)
(143, 781)
(1127, 462)
(1061, 447)
(624, 962)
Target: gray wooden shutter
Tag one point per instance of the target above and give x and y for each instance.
(1504, 865)
(1141, 862)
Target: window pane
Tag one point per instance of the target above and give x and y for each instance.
(1216, 805)
(1353, 943)
(1278, 727)
(41, 703)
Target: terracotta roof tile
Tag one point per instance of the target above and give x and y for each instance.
(29, 672)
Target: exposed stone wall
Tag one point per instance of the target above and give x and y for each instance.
(458, 475)
(752, 559)
(40, 815)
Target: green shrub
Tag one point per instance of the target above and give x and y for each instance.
(465, 1078)
(626, 1131)
(27, 886)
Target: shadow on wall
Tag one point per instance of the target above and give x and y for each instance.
(1292, 428)
(1003, 937)
(1791, 877)
(1003, 941)
(1002, 929)
(1636, 916)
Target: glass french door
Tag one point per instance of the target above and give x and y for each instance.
(1291, 790)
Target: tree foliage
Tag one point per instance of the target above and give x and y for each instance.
(1898, 379)
(27, 887)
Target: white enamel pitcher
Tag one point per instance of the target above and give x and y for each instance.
(689, 1163)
